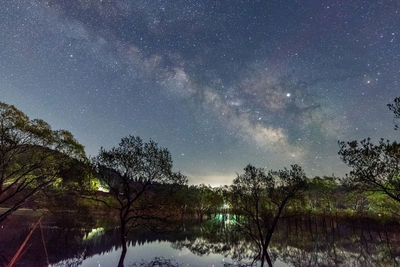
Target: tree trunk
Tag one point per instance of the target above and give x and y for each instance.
(123, 254)
(268, 259)
(262, 257)
(270, 232)
(123, 244)
(274, 223)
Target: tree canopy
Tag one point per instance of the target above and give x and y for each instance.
(375, 167)
(261, 197)
(31, 154)
(131, 172)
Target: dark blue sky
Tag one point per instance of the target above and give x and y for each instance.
(219, 83)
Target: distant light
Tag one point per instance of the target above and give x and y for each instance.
(103, 189)
(93, 233)
(288, 95)
(368, 81)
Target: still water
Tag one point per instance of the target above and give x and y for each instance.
(299, 241)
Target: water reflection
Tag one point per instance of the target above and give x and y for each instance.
(158, 261)
(299, 241)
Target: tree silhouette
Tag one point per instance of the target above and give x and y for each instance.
(395, 107)
(31, 156)
(132, 172)
(204, 200)
(375, 167)
(261, 198)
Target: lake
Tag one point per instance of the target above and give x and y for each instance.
(76, 240)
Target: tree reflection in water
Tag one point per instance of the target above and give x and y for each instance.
(157, 261)
(298, 241)
(307, 242)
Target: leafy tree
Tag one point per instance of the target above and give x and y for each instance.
(132, 172)
(178, 199)
(205, 200)
(31, 156)
(75, 178)
(375, 167)
(322, 193)
(260, 197)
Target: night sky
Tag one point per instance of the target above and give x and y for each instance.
(219, 83)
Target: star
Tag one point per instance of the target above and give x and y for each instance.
(209, 76)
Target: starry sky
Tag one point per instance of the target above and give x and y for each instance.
(219, 83)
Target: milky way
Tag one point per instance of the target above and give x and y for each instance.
(219, 83)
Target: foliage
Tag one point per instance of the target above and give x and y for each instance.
(133, 173)
(262, 197)
(205, 200)
(133, 168)
(31, 156)
(324, 194)
(375, 167)
(395, 108)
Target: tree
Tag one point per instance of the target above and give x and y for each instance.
(31, 154)
(375, 167)
(323, 193)
(132, 172)
(260, 196)
(395, 108)
(75, 179)
(205, 200)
